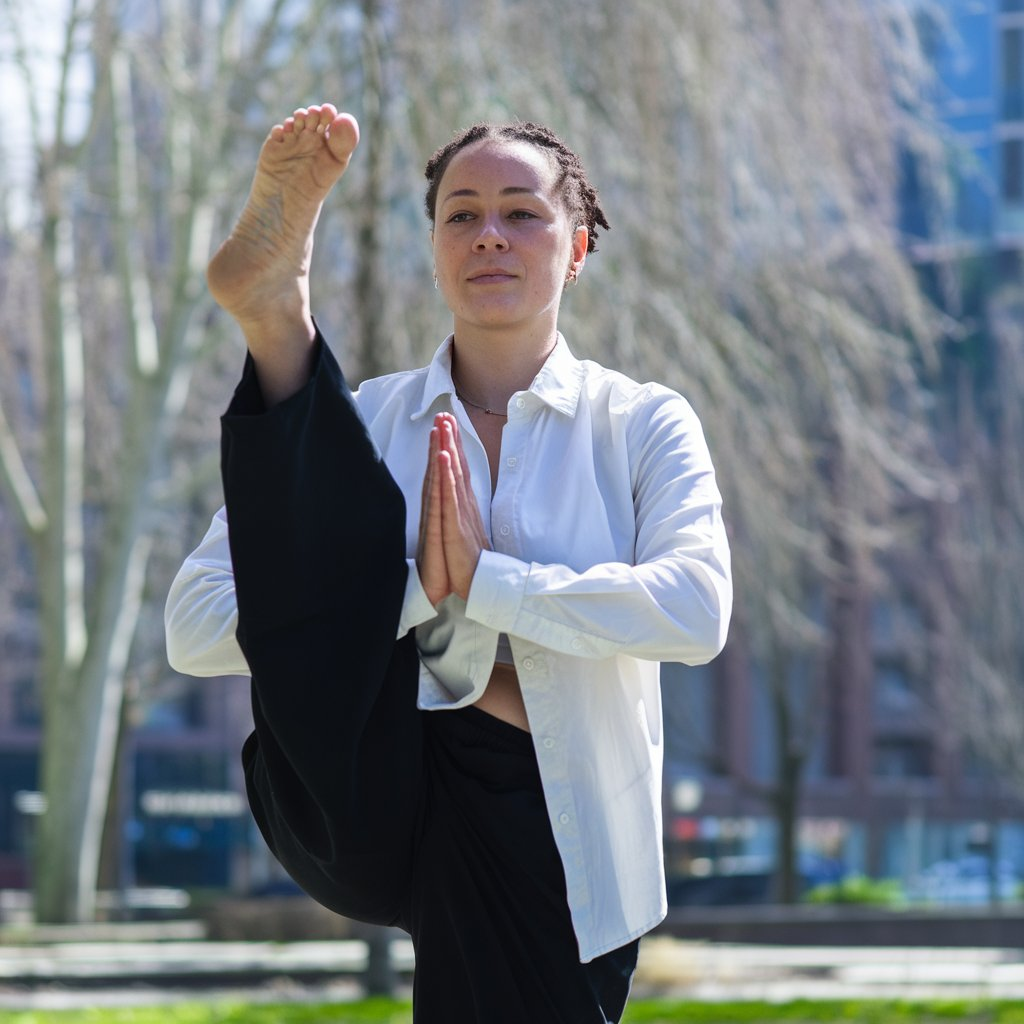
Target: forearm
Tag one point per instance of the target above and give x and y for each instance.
(674, 609)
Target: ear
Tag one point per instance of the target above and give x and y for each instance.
(580, 242)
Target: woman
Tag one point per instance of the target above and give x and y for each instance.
(564, 536)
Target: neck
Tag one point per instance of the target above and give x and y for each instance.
(487, 375)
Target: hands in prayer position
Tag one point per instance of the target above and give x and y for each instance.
(452, 533)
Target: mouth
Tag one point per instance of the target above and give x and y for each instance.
(491, 275)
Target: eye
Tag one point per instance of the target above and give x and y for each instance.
(522, 215)
(459, 218)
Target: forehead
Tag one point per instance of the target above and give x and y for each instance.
(492, 165)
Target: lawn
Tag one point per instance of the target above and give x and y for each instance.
(386, 1011)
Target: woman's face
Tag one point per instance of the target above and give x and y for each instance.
(503, 244)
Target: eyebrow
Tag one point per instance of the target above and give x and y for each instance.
(512, 190)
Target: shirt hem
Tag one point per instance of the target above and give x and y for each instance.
(618, 943)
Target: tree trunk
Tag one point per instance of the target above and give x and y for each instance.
(79, 748)
(788, 775)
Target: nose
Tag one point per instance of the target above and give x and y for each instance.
(491, 237)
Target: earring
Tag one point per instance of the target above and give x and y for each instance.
(570, 278)
(435, 280)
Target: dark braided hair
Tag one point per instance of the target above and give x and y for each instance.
(578, 196)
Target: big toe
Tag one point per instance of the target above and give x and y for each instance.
(343, 136)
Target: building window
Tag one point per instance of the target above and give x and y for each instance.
(27, 709)
(902, 758)
(1012, 51)
(177, 705)
(895, 696)
(1013, 170)
(18, 773)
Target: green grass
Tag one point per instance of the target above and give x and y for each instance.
(369, 1011)
(805, 1012)
(640, 1011)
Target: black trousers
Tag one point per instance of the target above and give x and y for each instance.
(431, 821)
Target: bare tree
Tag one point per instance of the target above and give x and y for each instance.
(975, 599)
(756, 147)
(132, 178)
(747, 155)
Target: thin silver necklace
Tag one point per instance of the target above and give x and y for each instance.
(483, 408)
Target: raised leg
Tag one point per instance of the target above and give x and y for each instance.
(317, 531)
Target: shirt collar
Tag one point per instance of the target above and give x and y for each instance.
(558, 384)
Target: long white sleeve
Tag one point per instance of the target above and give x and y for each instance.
(201, 615)
(671, 603)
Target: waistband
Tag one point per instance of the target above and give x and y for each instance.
(503, 735)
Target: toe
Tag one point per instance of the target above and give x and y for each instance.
(343, 133)
(328, 113)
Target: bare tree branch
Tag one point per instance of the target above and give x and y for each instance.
(18, 480)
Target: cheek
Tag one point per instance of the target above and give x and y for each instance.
(442, 259)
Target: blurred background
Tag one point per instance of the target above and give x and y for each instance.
(817, 213)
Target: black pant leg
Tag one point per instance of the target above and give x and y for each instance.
(317, 534)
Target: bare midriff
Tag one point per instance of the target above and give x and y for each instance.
(503, 697)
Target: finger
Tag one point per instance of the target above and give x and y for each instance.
(428, 472)
(425, 497)
(451, 511)
(468, 506)
(467, 498)
(451, 527)
(434, 493)
(457, 434)
(434, 539)
(430, 555)
(461, 545)
(446, 478)
(458, 469)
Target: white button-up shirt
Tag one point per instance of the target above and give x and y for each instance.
(609, 556)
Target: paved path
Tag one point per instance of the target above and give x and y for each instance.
(68, 974)
(721, 971)
(101, 973)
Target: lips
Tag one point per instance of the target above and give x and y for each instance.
(491, 275)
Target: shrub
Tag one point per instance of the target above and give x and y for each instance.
(882, 892)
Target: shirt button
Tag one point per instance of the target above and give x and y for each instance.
(577, 643)
(520, 403)
(511, 462)
(505, 530)
(528, 664)
(563, 818)
(548, 742)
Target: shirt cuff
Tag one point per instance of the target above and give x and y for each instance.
(416, 607)
(497, 591)
(455, 650)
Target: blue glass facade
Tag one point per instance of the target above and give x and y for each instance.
(979, 95)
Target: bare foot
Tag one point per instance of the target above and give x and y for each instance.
(260, 274)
